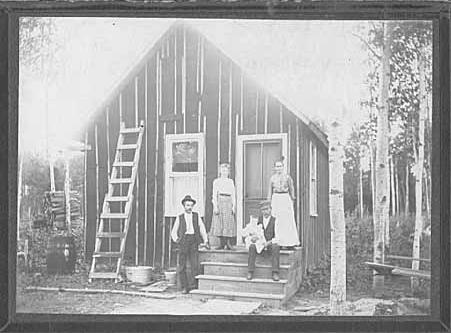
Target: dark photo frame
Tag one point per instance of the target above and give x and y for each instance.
(436, 11)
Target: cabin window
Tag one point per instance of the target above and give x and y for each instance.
(184, 171)
(313, 180)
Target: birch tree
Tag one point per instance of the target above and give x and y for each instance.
(418, 171)
(338, 226)
(381, 214)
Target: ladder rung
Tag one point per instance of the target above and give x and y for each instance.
(103, 275)
(107, 254)
(130, 130)
(127, 146)
(110, 199)
(120, 180)
(113, 216)
(123, 164)
(110, 235)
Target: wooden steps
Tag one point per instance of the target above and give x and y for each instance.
(240, 269)
(239, 255)
(224, 275)
(233, 283)
(267, 299)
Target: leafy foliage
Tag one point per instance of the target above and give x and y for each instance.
(36, 45)
(359, 249)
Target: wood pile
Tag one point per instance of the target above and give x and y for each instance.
(54, 207)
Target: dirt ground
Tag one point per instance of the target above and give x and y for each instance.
(303, 303)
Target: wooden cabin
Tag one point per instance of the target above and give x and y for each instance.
(200, 109)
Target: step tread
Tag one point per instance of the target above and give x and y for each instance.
(239, 279)
(241, 251)
(240, 264)
(237, 294)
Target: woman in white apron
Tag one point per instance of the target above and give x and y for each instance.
(281, 194)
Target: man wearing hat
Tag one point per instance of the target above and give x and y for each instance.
(271, 248)
(188, 232)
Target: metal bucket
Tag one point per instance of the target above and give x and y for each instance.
(139, 274)
(170, 276)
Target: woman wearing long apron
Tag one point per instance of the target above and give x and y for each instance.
(281, 194)
(223, 223)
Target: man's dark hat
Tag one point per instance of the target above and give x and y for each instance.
(265, 203)
(188, 198)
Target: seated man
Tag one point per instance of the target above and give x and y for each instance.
(270, 248)
(188, 232)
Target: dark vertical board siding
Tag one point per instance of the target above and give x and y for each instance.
(293, 154)
(210, 103)
(151, 146)
(103, 163)
(142, 166)
(261, 112)
(273, 115)
(236, 105)
(128, 104)
(249, 99)
(178, 56)
(114, 124)
(224, 144)
(160, 168)
(91, 209)
(167, 99)
(192, 98)
(128, 114)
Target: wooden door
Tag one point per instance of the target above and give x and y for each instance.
(259, 158)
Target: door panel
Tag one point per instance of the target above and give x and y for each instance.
(272, 152)
(253, 171)
(259, 158)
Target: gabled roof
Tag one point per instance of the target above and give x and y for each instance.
(150, 51)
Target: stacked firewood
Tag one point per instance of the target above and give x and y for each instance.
(54, 206)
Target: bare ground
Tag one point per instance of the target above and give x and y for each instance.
(304, 303)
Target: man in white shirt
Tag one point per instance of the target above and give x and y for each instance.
(188, 232)
(271, 248)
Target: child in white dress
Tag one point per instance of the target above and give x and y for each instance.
(253, 234)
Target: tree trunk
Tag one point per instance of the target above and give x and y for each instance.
(407, 188)
(52, 174)
(392, 201)
(419, 171)
(361, 188)
(391, 208)
(426, 192)
(397, 190)
(338, 226)
(67, 195)
(19, 193)
(373, 178)
(382, 200)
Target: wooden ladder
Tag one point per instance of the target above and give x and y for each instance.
(117, 207)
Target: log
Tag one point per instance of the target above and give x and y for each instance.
(101, 291)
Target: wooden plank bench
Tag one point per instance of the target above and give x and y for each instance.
(385, 269)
